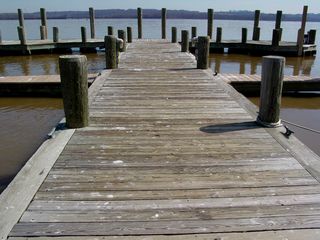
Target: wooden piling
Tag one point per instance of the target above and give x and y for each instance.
(74, 84)
(174, 36)
(92, 22)
(194, 32)
(164, 23)
(55, 34)
(42, 32)
(276, 37)
(129, 34)
(184, 41)
(111, 52)
(210, 22)
(312, 36)
(21, 17)
(219, 35)
(301, 31)
(22, 35)
(122, 35)
(256, 29)
(83, 34)
(203, 47)
(0, 37)
(139, 14)
(271, 90)
(244, 35)
(278, 20)
(110, 30)
(43, 16)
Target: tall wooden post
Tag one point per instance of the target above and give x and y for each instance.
(21, 17)
(302, 30)
(139, 13)
(164, 23)
(194, 32)
(276, 37)
(244, 35)
(42, 32)
(184, 41)
(0, 37)
(278, 19)
(122, 35)
(92, 22)
(312, 36)
(83, 34)
(203, 46)
(219, 35)
(22, 35)
(55, 34)
(210, 22)
(129, 34)
(110, 43)
(271, 90)
(256, 29)
(43, 16)
(110, 30)
(74, 85)
(174, 36)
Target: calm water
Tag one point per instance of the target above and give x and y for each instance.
(25, 122)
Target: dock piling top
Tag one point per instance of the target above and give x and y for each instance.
(21, 17)
(43, 32)
(210, 22)
(129, 34)
(185, 41)
(43, 16)
(219, 35)
(244, 35)
(164, 23)
(22, 35)
(92, 22)
(74, 84)
(203, 47)
(139, 15)
(256, 29)
(55, 34)
(302, 30)
(194, 32)
(0, 37)
(271, 91)
(110, 30)
(111, 52)
(278, 19)
(83, 34)
(122, 35)
(174, 36)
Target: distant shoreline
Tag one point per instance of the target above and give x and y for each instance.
(156, 14)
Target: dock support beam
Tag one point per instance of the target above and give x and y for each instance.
(74, 83)
(164, 23)
(302, 30)
(43, 16)
(83, 34)
(174, 36)
(55, 34)
(92, 22)
(22, 35)
(184, 41)
(111, 52)
(139, 14)
(203, 47)
(256, 29)
(122, 35)
(21, 17)
(210, 22)
(194, 32)
(219, 35)
(244, 35)
(129, 34)
(271, 91)
(110, 31)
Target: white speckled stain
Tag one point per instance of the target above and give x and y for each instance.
(119, 128)
(104, 146)
(110, 196)
(118, 162)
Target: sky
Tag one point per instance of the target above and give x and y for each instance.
(268, 6)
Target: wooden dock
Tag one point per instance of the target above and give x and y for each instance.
(171, 153)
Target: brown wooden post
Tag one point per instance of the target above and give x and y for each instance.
(203, 47)
(139, 13)
(42, 32)
(312, 36)
(22, 35)
(256, 29)
(244, 35)
(129, 34)
(92, 22)
(194, 32)
(55, 34)
(164, 23)
(271, 90)
(278, 19)
(21, 17)
(302, 30)
(210, 22)
(184, 41)
(122, 35)
(174, 35)
(111, 52)
(110, 30)
(276, 37)
(43, 16)
(83, 34)
(74, 85)
(219, 35)
(0, 37)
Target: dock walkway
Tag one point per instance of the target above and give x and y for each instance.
(170, 151)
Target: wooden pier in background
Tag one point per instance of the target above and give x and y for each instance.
(171, 152)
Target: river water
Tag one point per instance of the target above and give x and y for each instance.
(25, 122)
